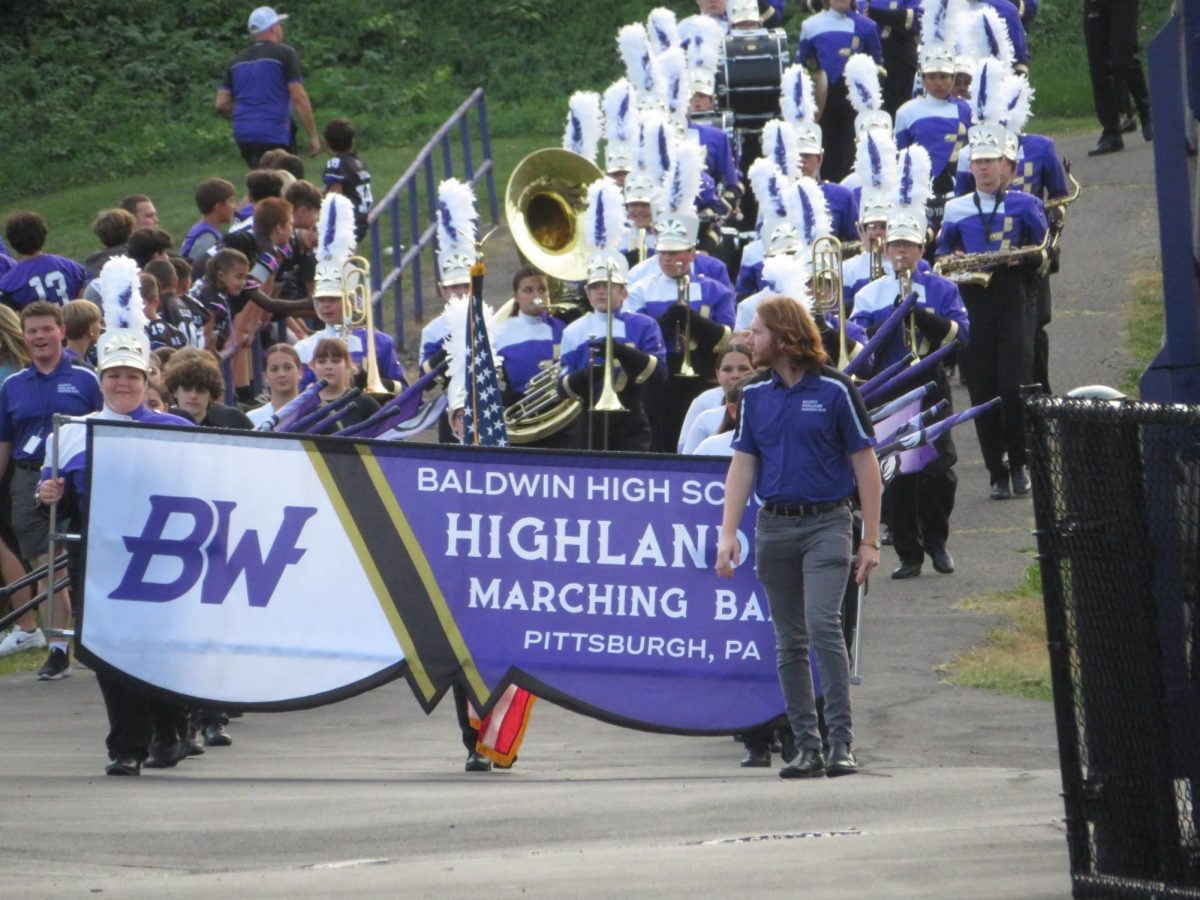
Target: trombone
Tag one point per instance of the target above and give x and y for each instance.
(827, 290)
(685, 288)
(912, 340)
(357, 313)
(608, 400)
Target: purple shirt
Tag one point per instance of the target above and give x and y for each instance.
(43, 277)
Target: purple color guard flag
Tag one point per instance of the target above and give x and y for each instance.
(483, 421)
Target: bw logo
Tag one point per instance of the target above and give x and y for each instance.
(204, 554)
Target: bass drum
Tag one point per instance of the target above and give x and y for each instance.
(748, 80)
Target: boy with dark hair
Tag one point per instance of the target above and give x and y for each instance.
(37, 275)
(112, 227)
(281, 160)
(142, 209)
(260, 184)
(299, 267)
(346, 174)
(146, 244)
(161, 332)
(216, 199)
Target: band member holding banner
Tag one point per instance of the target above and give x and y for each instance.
(804, 444)
(610, 353)
(695, 312)
(139, 727)
(921, 494)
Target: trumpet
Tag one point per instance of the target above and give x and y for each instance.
(357, 313)
(609, 401)
(876, 257)
(827, 289)
(685, 367)
(968, 269)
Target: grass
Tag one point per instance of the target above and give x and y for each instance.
(1013, 660)
(1142, 325)
(69, 212)
(25, 661)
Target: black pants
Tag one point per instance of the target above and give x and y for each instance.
(998, 361)
(921, 508)
(837, 133)
(1110, 29)
(666, 407)
(252, 153)
(900, 60)
(135, 720)
(470, 734)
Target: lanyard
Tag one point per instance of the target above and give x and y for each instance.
(987, 223)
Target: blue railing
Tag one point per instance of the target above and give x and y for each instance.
(408, 213)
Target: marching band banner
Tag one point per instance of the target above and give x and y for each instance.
(271, 572)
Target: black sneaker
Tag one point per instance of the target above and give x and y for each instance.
(57, 666)
(477, 762)
(215, 735)
(124, 765)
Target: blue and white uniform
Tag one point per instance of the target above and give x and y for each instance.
(526, 343)
(657, 293)
(940, 126)
(1039, 170)
(703, 264)
(979, 222)
(875, 302)
(385, 353)
(829, 38)
(72, 454)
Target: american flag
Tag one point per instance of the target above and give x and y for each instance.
(483, 421)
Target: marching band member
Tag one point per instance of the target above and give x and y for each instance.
(937, 120)
(1001, 310)
(898, 29)
(139, 727)
(1036, 170)
(920, 501)
(826, 39)
(335, 229)
(704, 416)
(701, 322)
(619, 120)
(639, 354)
(332, 363)
(867, 100)
(529, 341)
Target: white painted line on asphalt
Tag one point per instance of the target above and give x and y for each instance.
(347, 864)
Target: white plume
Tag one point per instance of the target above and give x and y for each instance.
(605, 216)
(1020, 102)
(335, 228)
(796, 96)
(989, 99)
(121, 295)
(656, 144)
(771, 188)
(915, 181)
(810, 210)
(684, 178)
(673, 66)
(640, 66)
(662, 29)
(703, 41)
(875, 162)
(987, 36)
(620, 113)
(780, 146)
(457, 218)
(582, 135)
(862, 82)
(787, 274)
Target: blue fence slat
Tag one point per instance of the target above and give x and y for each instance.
(419, 180)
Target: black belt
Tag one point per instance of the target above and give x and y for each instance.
(27, 466)
(804, 509)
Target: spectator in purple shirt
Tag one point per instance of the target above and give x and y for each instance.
(262, 87)
(37, 275)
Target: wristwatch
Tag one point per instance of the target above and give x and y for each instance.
(875, 543)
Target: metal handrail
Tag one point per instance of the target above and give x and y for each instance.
(419, 182)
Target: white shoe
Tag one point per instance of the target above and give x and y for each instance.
(18, 640)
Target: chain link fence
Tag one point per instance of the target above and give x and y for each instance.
(1117, 505)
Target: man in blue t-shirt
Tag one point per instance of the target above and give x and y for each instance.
(261, 88)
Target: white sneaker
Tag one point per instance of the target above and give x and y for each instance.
(18, 640)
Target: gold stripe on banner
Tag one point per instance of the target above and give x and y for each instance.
(382, 594)
(421, 563)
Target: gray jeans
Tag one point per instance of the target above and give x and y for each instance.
(803, 564)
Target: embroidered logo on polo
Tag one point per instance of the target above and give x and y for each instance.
(812, 406)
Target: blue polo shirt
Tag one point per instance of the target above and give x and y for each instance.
(258, 78)
(803, 436)
(29, 400)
